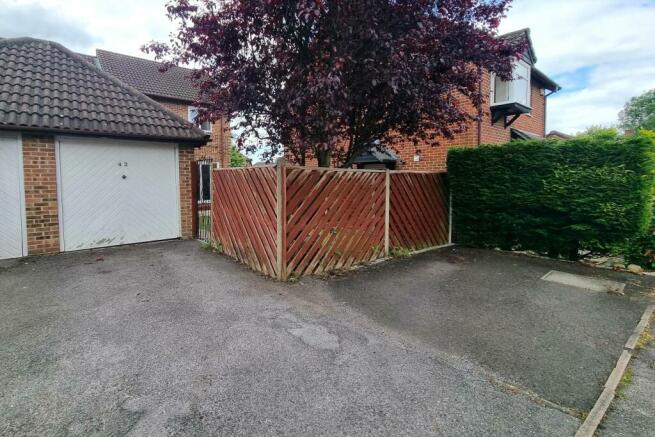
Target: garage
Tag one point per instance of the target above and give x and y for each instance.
(12, 210)
(114, 192)
(85, 160)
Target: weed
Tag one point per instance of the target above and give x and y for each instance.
(213, 246)
(644, 339)
(626, 380)
(400, 252)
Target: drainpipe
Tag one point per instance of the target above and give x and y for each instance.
(480, 111)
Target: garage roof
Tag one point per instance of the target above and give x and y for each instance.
(45, 87)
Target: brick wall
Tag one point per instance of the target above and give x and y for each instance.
(434, 158)
(40, 183)
(186, 159)
(218, 147)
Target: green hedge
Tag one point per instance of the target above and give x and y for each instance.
(553, 197)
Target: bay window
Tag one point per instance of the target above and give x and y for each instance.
(515, 91)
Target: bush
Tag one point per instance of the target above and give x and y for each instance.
(640, 250)
(553, 197)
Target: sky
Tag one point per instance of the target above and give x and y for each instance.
(602, 52)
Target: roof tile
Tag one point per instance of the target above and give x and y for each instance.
(44, 86)
(146, 76)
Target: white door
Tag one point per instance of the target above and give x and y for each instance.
(115, 192)
(12, 220)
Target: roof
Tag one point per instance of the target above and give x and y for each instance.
(88, 58)
(519, 36)
(523, 35)
(375, 156)
(45, 87)
(524, 135)
(558, 134)
(548, 83)
(146, 76)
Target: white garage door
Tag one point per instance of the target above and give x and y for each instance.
(11, 197)
(115, 192)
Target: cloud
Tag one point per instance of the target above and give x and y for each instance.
(601, 52)
(34, 20)
(84, 25)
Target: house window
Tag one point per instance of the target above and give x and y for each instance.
(193, 114)
(515, 91)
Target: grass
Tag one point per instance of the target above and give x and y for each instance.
(626, 380)
(212, 246)
(645, 338)
(400, 252)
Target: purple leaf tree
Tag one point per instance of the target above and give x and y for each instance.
(328, 79)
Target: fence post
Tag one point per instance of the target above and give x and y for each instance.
(450, 216)
(387, 206)
(281, 215)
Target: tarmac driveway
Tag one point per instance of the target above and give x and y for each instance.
(169, 339)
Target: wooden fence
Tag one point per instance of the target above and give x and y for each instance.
(285, 220)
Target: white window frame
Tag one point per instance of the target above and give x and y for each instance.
(192, 120)
(512, 97)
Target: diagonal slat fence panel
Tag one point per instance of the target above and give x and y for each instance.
(293, 221)
(335, 219)
(244, 221)
(419, 210)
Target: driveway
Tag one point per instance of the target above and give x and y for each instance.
(167, 338)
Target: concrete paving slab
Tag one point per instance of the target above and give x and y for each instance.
(585, 282)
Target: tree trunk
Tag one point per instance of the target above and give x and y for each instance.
(324, 158)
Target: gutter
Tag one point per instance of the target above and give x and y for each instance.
(195, 142)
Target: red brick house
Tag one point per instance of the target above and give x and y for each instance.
(85, 160)
(512, 110)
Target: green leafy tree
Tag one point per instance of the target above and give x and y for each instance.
(648, 134)
(237, 159)
(599, 133)
(639, 112)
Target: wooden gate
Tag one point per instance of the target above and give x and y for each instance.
(285, 220)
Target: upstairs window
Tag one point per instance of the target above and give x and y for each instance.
(515, 91)
(193, 115)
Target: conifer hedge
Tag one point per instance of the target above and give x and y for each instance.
(553, 197)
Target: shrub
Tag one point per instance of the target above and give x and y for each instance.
(640, 250)
(552, 197)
